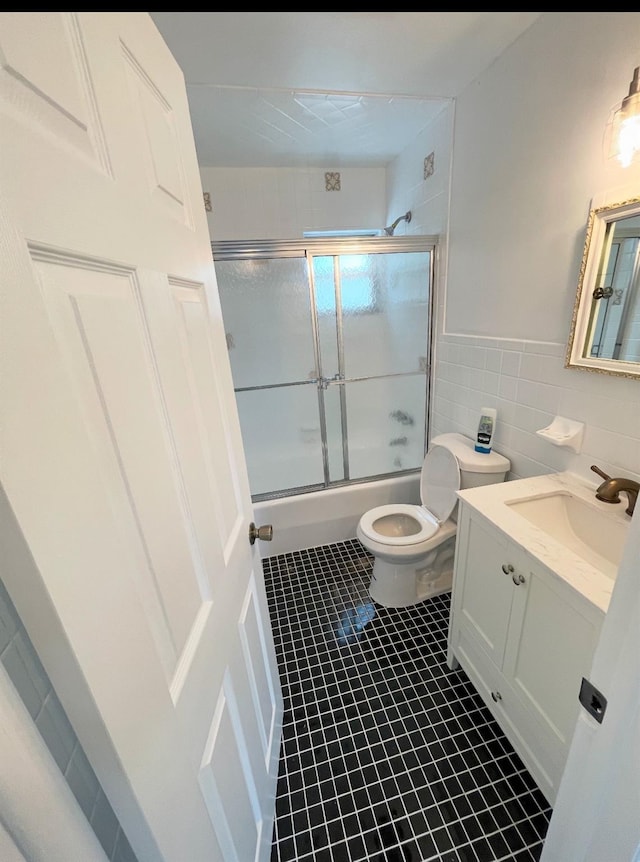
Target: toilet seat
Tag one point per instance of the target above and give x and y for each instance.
(426, 525)
(406, 524)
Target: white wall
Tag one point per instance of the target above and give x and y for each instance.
(527, 159)
(282, 203)
(407, 188)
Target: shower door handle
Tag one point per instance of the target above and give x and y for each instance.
(264, 533)
(326, 381)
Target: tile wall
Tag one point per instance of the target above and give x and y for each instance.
(30, 679)
(527, 383)
(282, 203)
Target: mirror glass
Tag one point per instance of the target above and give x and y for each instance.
(605, 328)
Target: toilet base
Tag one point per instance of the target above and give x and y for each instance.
(401, 585)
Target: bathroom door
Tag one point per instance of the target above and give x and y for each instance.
(125, 506)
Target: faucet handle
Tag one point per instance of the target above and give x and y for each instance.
(600, 472)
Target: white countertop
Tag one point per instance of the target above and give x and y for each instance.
(592, 581)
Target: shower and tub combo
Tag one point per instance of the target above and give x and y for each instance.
(329, 344)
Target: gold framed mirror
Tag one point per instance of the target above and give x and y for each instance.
(605, 325)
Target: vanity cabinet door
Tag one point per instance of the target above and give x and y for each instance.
(483, 588)
(525, 639)
(549, 649)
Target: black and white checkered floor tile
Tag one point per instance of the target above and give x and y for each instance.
(387, 754)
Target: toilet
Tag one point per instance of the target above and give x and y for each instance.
(413, 545)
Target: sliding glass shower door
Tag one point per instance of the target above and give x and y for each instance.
(329, 345)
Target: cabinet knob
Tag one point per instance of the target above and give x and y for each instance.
(496, 696)
(507, 568)
(517, 579)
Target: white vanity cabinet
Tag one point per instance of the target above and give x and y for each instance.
(525, 638)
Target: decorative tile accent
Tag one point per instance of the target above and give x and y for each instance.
(386, 754)
(429, 166)
(332, 181)
(207, 201)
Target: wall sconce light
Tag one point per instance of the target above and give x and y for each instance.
(625, 131)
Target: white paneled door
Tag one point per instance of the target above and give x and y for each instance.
(125, 510)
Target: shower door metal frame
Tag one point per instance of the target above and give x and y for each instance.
(335, 247)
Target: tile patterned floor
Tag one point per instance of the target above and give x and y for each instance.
(387, 755)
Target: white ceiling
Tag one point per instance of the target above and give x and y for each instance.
(332, 89)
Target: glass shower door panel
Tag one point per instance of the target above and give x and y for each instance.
(333, 421)
(324, 285)
(266, 309)
(385, 309)
(281, 437)
(386, 419)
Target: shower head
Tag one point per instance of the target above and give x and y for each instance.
(406, 217)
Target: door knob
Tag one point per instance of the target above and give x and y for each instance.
(265, 533)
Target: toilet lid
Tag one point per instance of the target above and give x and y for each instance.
(439, 482)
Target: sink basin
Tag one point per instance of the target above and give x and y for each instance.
(585, 529)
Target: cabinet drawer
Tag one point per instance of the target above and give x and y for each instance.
(544, 760)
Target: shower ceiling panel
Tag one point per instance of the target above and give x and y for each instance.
(274, 89)
(300, 128)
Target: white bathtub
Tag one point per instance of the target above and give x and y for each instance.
(323, 517)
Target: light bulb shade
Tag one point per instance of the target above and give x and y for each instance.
(624, 132)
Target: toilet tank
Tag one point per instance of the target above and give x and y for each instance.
(476, 468)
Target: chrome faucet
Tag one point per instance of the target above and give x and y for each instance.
(609, 490)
